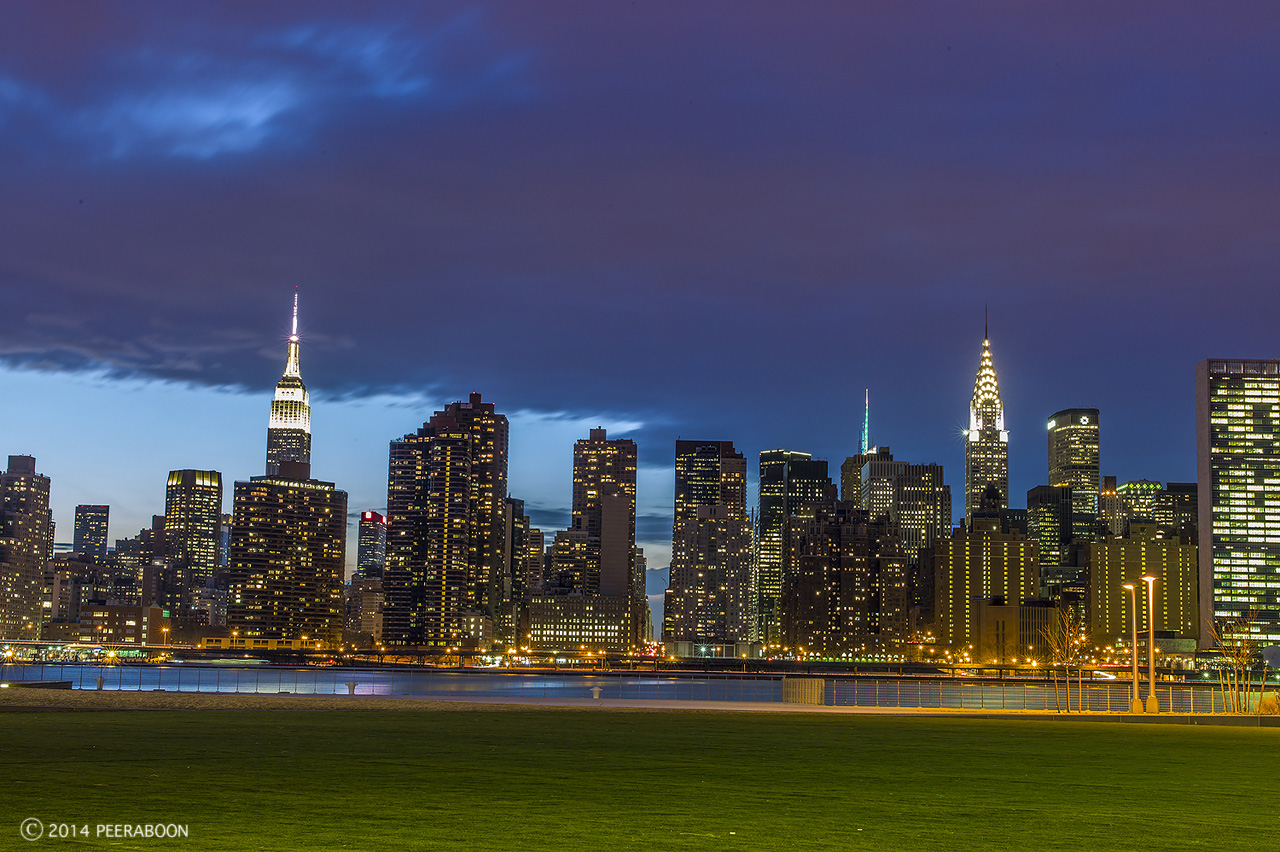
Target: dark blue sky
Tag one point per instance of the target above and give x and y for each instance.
(708, 220)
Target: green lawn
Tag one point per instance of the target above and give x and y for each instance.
(654, 781)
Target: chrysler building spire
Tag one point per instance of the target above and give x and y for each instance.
(987, 441)
(289, 429)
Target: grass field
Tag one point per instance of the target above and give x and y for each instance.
(636, 780)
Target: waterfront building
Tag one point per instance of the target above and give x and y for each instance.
(1238, 460)
(709, 597)
(446, 515)
(287, 560)
(26, 544)
(192, 525)
(848, 594)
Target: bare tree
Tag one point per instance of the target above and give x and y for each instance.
(1066, 637)
(1237, 642)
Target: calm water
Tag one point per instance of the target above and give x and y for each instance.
(422, 683)
(930, 693)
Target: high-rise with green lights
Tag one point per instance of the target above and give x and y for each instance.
(986, 458)
(1238, 460)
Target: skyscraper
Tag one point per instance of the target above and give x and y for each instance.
(371, 544)
(913, 496)
(91, 531)
(26, 544)
(987, 445)
(289, 429)
(789, 480)
(192, 524)
(288, 549)
(709, 596)
(604, 506)
(1238, 459)
(1074, 450)
(847, 594)
(446, 515)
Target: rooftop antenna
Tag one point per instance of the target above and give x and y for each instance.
(294, 335)
(866, 422)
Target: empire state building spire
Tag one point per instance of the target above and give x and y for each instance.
(289, 429)
(987, 444)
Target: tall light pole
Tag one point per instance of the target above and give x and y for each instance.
(1135, 703)
(1153, 705)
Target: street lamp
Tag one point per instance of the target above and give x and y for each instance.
(1135, 703)
(1153, 705)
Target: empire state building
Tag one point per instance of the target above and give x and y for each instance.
(986, 458)
(289, 430)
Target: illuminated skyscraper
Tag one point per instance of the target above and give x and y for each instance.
(1238, 456)
(709, 596)
(26, 544)
(289, 429)
(288, 549)
(789, 480)
(371, 544)
(91, 531)
(987, 446)
(192, 524)
(1074, 449)
(847, 593)
(446, 515)
(604, 506)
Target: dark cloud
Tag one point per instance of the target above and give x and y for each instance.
(722, 219)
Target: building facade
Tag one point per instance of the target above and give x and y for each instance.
(977, 565)
(1238, 463)
(446, 516)
(1113, 562)
(26, 544)
(91, 530)
(848, 595)
(287, 559)
(192, 526)
(789, 481)
(1074, 461)
(709, 596)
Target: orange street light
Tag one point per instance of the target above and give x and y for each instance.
(1153, 704)
(1135, 703)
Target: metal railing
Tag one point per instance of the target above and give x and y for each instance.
(925, 693)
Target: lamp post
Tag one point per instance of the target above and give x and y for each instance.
(1135, 703)
(1153, 705)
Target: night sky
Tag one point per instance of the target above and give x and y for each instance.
(707, 220)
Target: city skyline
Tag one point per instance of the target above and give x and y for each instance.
(881, 184)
